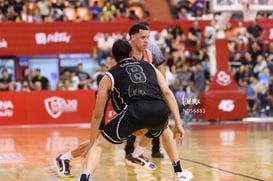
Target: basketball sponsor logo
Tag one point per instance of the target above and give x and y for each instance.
(3, 43)
(6, 108)
(57, 37)
(223, 78)
(55, 106)
(226, 105)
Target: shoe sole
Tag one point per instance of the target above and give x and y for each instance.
(128, 162)
(60, 173)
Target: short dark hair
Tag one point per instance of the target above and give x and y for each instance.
(121, 49)
(136, 27)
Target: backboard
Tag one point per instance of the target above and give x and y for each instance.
(248, 7)
(237, 5)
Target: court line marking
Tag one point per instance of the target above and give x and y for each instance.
(221, 169)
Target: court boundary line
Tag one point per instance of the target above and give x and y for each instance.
(221, 169)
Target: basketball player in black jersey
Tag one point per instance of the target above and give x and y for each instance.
(154, 55)
(139, 35)
(142, 99)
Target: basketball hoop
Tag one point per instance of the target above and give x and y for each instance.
(249, 12)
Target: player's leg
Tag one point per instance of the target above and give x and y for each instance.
(63, 160)
(93, 157)
(129, 147)
(170, 147)
(156, 148)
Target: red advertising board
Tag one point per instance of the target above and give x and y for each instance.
(78, 37)
(223, 100)
(53, 107)
(46, 107)
(12, 108)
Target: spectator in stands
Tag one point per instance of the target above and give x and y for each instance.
(259, 88)
(241, 36)
(254, 51)
(103, 68)
(60, 85)
(84, 77)
(6, 83)
(133, 16)
(195, 35)
(167, 34)
(108, 11)
(178, 31)
(260, 64)
(25, 80)
(199, 5)
(183, 14)
(256, 33)
(244, 73)
(180, 95)
(11, 15)
(269, 56)
(183, 76)
(251, 95)
(95, 11)
(122, 17)
(231, 37)
(30, 10)
(45, 84)
(37, 86)
(248, 60)
(44, 8)
(183, 4)
(161, 43)
(75, 80)
(18, 7)
(122, 7)
(178, 49)
(264, 77)
(199, 79)
(104, 47)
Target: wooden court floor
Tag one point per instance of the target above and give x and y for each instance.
(234, 151)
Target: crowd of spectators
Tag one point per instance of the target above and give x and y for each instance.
(71, 10)
(201, 9)
(102, 10)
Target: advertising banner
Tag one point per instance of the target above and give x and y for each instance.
(46, 107)
(53, 107)
(79, 37)
(12, 108)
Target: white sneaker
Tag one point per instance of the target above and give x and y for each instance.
(140, 161)
(185, 175)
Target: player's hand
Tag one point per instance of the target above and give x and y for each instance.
(178, 133)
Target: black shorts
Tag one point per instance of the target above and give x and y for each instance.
(149, 114)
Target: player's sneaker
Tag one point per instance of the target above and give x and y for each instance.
(63, 167)
(84, 177)
(140, 161)
(185, 175)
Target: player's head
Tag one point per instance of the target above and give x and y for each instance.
(139, 36)
(145, 24)
(121, 49)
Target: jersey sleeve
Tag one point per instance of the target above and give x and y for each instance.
(157, 55)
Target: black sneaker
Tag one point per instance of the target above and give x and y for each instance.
(157, 155)
(63, 167)
(140, 161)
(84, 177)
